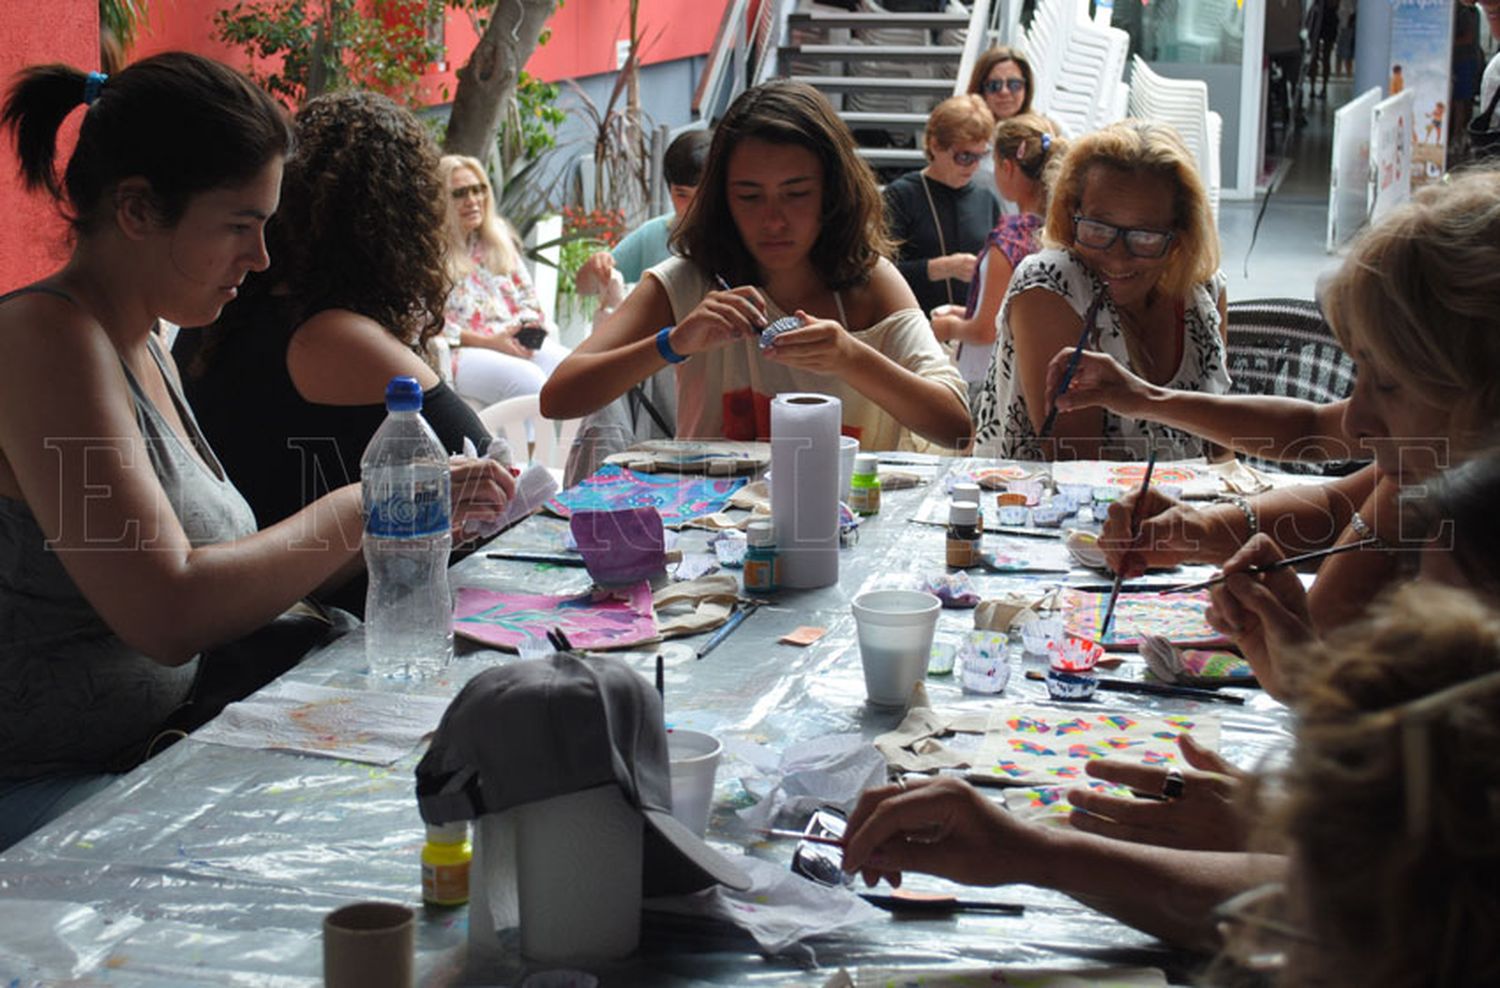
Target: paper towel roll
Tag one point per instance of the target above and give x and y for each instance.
(578, 875)
(805, 487)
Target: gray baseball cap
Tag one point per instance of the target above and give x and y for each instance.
(527, 731)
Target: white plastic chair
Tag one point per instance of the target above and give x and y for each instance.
(549, 441)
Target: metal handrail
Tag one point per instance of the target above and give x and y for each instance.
(976, 42)
(743, 53)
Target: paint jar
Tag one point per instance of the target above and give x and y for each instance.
(964, 534)
(762, 565)
(864, 486)
(445, 864)
(970, 492)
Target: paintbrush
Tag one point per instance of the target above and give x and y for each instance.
(799, 835)
(1135, 525)
(1153, 689)
(1089, 319)
(1271, 567)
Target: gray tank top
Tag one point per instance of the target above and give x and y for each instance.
(73, 696)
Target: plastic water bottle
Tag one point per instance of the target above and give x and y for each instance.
(406, 487)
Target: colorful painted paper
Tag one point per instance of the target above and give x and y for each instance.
(1007, 977)
(614, 618)
(677, 498)
(1195, 479)
(1177, 617)
(1049, 804)
(1032, 745)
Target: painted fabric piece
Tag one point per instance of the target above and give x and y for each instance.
(1006, 977)
(612, 618)
(1203, 665)
(678, 499)
(352, 725)
(1194, 477)
(1033, 745)
(1177, 617)
(620, 547)
(1049, 804)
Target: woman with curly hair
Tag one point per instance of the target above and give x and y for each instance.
(289, 383)
(789, 215)
(495, 327)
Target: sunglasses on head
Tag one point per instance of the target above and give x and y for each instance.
(1139, 242)
(475, 191)
(993, 86)
(964, 159)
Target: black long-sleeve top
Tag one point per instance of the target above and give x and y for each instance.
(967, 216)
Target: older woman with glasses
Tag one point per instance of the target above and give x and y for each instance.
(495, 324)
(940, 216)
(1131, 270)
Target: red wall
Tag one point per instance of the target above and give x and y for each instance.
(582, 43)
(583, 39)
(32, 236)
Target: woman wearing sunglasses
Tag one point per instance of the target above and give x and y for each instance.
(940, 216)
(1003, 78)
(1131, 270)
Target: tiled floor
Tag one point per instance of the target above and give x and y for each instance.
(1288, 255)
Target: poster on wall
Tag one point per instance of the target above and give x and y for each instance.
(1390, 154)
(1349, 187)
(1421, 64)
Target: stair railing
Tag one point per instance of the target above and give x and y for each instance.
(743, 53)
(976, 43)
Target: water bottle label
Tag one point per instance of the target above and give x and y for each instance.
(392, 514)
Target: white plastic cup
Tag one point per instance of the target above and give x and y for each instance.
(369, 945)
(848, 447)
(578, 876)
(695, 763)
(895, 629)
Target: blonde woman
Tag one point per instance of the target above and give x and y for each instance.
(1130, 239)
(1417, 305)
(1027, 149)
(502, 343)
(939, 216)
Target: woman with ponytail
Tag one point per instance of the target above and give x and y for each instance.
(125, 550)
(1027, 150)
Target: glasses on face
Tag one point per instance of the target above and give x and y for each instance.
(1139, 242)
(475, 191)
(964, 159)
(993, 86)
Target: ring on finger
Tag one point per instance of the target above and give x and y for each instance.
(1173, 786)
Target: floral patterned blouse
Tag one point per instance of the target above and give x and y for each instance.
(485, 302)
(1002, 422)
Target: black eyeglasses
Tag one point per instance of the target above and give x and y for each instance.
(993, 86)
(1139, 242)
(475, 191)
(964, 159)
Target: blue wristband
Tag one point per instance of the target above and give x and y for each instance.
(664, 346)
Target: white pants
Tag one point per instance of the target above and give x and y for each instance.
(488, 376)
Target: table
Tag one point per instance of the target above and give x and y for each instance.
(212, 864)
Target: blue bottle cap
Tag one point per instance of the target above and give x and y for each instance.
(403, 394)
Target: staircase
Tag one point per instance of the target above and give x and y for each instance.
(883, 71)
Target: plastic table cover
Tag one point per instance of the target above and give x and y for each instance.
(216, 865)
